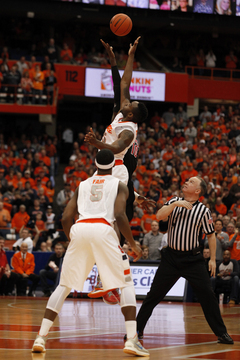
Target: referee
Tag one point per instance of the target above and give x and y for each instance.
(184, 219)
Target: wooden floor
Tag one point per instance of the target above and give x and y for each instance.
(89, 329)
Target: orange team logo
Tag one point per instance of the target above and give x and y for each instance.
(109, 129)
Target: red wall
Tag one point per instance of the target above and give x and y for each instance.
(179, 87)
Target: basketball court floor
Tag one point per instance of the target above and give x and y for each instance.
(89, 329)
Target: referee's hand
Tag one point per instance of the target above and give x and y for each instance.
(212, 267)
(184, 203)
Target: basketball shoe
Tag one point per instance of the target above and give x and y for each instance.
(112, 297)
(39, 344)
(133, 347)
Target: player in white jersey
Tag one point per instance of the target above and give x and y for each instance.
(122, 132)
(98, 200)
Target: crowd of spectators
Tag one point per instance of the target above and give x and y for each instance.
(27, 77)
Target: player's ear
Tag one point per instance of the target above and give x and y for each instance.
(130, 115)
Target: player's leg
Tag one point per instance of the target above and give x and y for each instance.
(54, 305)
(128, 307)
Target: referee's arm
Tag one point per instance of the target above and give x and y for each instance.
(166, 210)
(212, 248)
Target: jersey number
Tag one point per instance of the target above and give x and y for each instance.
(96, 193)
(135, 148)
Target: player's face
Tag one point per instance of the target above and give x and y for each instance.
(129, 107)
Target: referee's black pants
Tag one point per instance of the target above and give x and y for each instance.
(175, 264)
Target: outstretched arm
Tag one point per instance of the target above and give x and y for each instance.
(127, 75)
(124, 139)
(115, 77)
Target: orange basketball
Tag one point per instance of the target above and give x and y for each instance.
(121, 24)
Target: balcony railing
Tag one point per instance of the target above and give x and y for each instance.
(197, 72)
(16, 94)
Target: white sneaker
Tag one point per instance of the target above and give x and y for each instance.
(134, 347)
(39, 344)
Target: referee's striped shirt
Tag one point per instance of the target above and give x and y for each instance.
(185, 226)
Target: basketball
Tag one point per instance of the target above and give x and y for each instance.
(121, 24)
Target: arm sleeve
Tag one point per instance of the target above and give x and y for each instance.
(172, 200)
(207, 223)
(116, 87)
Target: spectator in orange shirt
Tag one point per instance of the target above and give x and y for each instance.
(231, 179)
(49, 191)
(135, 225)
(147, 219)
(20, 219)
(230, 230)
(140, 170)
(21, 161)
(41, 225)
(66, 55)
(234, 244)
(43, 156)
(5, 216)
(168, 154)
(23, 264)
(27, 177)
(38, 81)
(235, 206)
(188, 173)
(220, 207)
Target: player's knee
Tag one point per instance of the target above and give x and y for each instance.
(128, 297)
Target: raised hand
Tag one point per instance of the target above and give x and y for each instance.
(133, 47)
(91, 137)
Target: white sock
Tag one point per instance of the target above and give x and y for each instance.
(131, 327)
(45, 327)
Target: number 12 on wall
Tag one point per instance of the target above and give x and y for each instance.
(71, 76)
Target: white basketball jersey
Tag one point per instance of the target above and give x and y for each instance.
(96, 197)
(115, 128)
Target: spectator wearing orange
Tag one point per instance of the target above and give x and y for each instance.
(38, 81)
(41, 225)
(39, 186)
(74, 181)
(145, 182)
(220, 207)
(235, 206)
(140, 170)
(5, 216)
(223, 147)
(21, 161)
(42, 176)
(49, 191)
(135, 225)
(43, 157)
(70, 167)
(168, 155)
(66, 54)
(231, 179)
(234, 244)
(215, 174)
(79, 172)
(23, 264)
(20, 219)
(26, 85)
(147, 219)
(188, 173)
(230, 229)
(27, 177)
